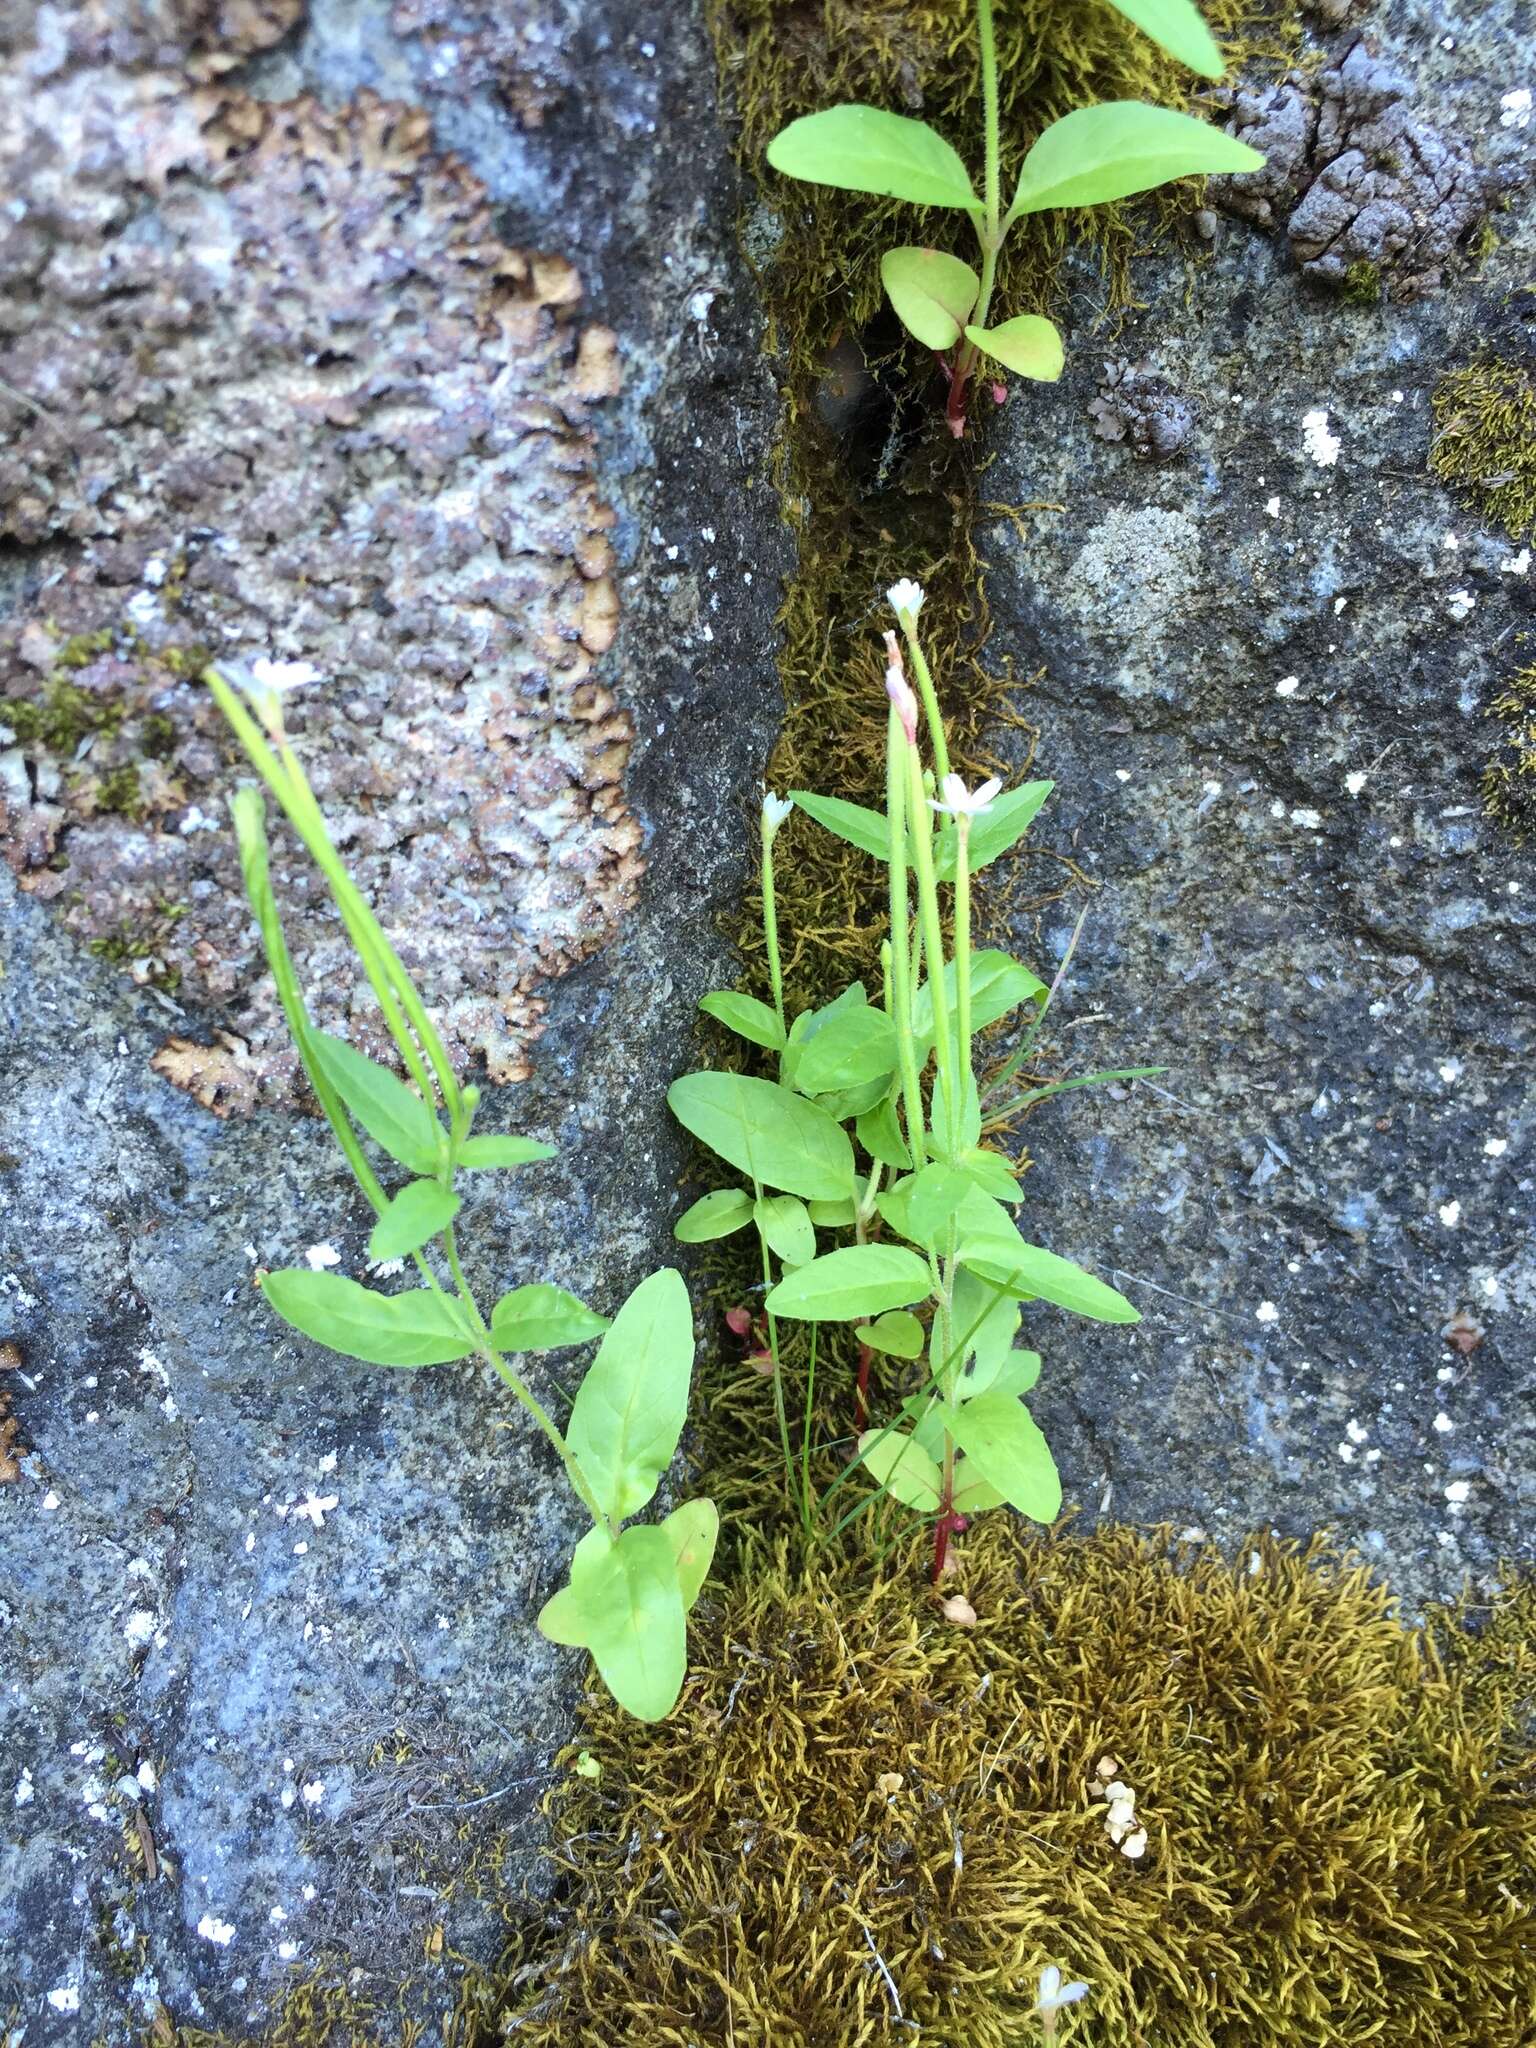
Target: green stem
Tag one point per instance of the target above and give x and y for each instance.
(900, 962)
(990, 230)
(771, 926)
(933, 947)
(780, 1413)
(541, 1415)
(963, 943)
(930, 697)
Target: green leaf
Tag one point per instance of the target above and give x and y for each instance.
(922, 1206)
(1026, 344)
(560, 1618)
(879, 1131)
(1180, 28)
(898, 1334)
(902, 1468)
(969, 1134)
(630, 1409)
(628, 1605)
(992, 1174)
(416, 1215)
(865, 829)
(859, 1280)
(850, 1050)
(1004, 1442)
(834, 1215)
(418, 1327)
(744, 1015)
(1001, 826)
(1012, 1372)
(785, 1223)
(772, 1135)
(693, 1530)
(865, 149)
(391, 1114)
(1123, 146)
(1044, 1094)
(502, 1148)
(973, 1495)
(998, 984)
(932, 293)
(1032, 1273)
(714, 1215)
(987, 1322)
(542, 1317)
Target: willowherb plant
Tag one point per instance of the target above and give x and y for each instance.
(937, 1269)
(1088, 158)
(631, 1584)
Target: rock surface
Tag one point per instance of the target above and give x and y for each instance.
(1266, 670)
(270, 1675)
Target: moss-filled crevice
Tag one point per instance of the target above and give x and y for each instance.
(1485, 440)
(1509, 780)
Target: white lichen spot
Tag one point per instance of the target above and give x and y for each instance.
(1443, 1424)
(1515, 108)
(1354, 781)
(1450, 1214)
(1356, 1431)
(1517, 565)
(1495, 1148)
(1272, 508)
(65, 1998)
(139, 1628)
(1450, 1070)
(50, 1502)
(1287, 686)
(314, 1791)
(1319, 439)
(287, 1951)
(1266, 1312)
(319, 1256)
(24, 1789)
(1459, 1492)
(317, 1508)
(218, 1931)
(1308, 820)
(1461, 604)
(1347, 1453)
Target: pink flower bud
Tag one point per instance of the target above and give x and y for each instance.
(899, 690)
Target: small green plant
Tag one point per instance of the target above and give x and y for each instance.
(631, 1584)
(1088, 158)
(901, 1071)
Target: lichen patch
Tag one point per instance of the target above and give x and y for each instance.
(274, 385)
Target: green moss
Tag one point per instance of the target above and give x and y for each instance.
(157, 736)
(1341, 1834)
(1509, 780)
(62, 716)
(1362, 284)
(118, 790)
(1485, 440)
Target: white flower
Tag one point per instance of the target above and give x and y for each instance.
(905, 598)
(775, 810)
(961, 802)
(1054, 1994)
(268, 674)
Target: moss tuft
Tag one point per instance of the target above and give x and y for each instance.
(1485, 440)
(62, 716)
(1341, 1832)
(1509, 780)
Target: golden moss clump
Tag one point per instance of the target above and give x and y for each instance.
(1509, 780)
(1485, 440)
(861, 1811)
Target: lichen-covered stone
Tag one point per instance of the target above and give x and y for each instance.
(273, 382)
(1136, 405)
(1360, 179)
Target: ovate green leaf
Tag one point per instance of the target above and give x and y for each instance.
(388, 1111)
(898, 1334)
(630, 1409)
(418, 1327)
(859, 1280)
(542, 1317)
(998, 984)
(714, 1215)
(851, 1049)
(1027, 345)
(415, 1216)
(1001, 825)
(693, 1530)
(973, 1494)
(1004, 1443)
(502, 1148)
(1123, 146)
(865, 149)
(1180, 28)
(881, 1136)
(767, 1132)
(992, 1174)
(932, 292)
(902, 1468)
(630, 1611)
(744, 1015)
(784, 1221)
